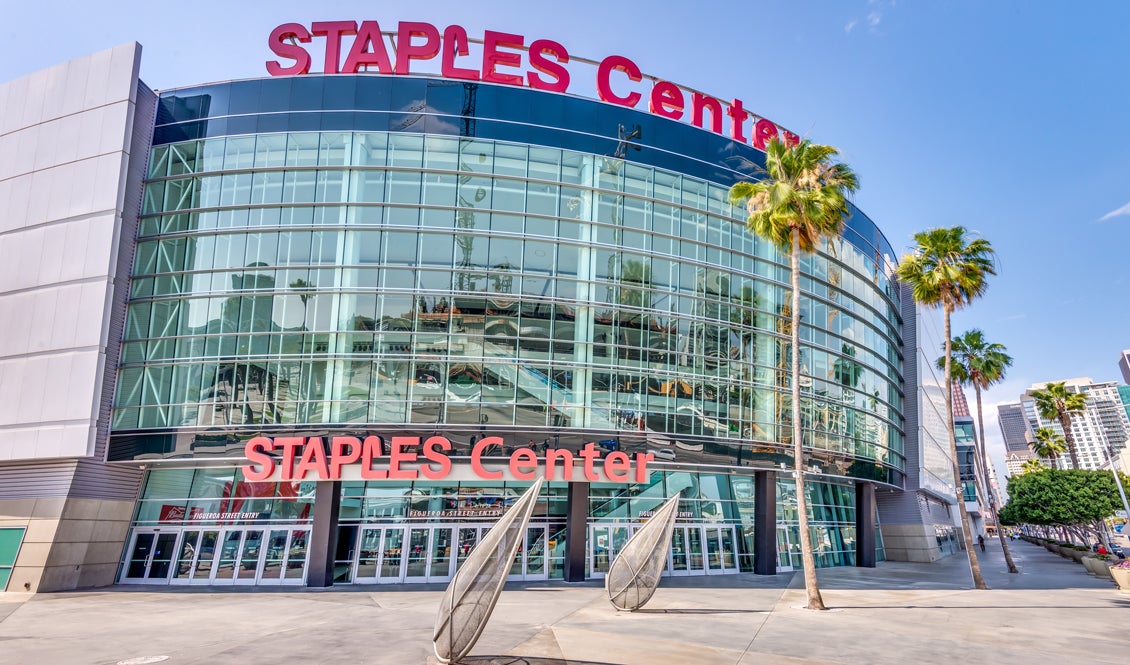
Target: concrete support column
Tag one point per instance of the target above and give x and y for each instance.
(323, 535)
(765, 523)
(576, 532)
(865, 525)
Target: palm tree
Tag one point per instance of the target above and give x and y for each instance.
(1056, 402)
(949, 270)
(1049, 444)
(981, 364)
(1032, 466)
(801, 201)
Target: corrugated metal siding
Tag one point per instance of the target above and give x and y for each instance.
(25, 480)
(898, 507)
(98, 480)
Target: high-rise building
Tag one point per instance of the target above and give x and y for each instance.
(960, 403)
(1014, 427)
(1124, 365)
(1100, 431)
(1014, 461)
(1124, 395)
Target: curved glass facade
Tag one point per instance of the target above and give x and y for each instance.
(425, 270)
(356, 255)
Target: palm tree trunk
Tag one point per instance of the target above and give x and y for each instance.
(1069, 437)
(966, 525)
(811, 586)
(988, 488)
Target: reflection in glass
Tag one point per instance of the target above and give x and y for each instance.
(226, 564)
(391, 554)
(246, 317)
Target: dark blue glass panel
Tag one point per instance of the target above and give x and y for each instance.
(499, 112)
(272, 122)
(241, 124)
(338, 93)
(373, 93)
(274, 93)
(306, 93)
(245, 97)
(215, 101)
(304, 122)
(449, 97)
(337, 121)
(408, 94)
(368, 121)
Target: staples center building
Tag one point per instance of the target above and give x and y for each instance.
(323, 328)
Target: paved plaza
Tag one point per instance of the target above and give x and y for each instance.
(897, 613)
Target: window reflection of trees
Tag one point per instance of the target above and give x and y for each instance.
(681, 345)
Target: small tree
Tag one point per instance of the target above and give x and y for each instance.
(1055, 402)
(1048, 444)
(1076, 500)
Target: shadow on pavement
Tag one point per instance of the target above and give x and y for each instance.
(644, 610)
(524, 660)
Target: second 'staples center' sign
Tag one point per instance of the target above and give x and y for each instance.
(309, 458)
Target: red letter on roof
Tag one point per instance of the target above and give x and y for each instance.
(281, 47)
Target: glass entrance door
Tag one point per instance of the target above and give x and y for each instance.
(721, 551)
(284, 560)
(150, 556)
(393, 555)
(784, 549)
(240, 557)
(530, 562)
(605, 542)
(195, 552)
(439, 556)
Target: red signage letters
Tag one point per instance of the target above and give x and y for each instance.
(308, 458)
(506, 59)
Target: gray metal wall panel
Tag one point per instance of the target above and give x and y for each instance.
(898, 507)
(94, 478)
(913, 443)
(142, 136)
(98, 480)
(36, 480)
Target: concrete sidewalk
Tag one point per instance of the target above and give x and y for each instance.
(897, 613)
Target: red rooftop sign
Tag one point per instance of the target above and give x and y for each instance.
(509, 59)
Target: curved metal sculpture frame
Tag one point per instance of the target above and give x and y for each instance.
(474, 589)
(634, 575)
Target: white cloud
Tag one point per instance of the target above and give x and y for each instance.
(874, 18)
(850, 25)
(1124, 211)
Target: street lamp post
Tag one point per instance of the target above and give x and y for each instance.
(1117, 480)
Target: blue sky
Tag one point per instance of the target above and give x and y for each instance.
(1010, 118)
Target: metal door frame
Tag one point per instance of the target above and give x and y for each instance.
(235, 580)
(156, 532)
(784, 529)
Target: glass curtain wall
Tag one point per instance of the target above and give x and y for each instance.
(337, 278)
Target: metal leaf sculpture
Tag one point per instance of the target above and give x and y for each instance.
(634, 574)
(470, 597)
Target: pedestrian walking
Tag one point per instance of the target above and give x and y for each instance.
(981, 541)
